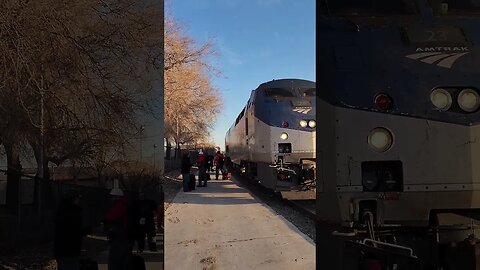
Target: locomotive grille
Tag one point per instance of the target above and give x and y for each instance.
(284, 148)
(381, 176)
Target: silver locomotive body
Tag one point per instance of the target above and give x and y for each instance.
(431, 166)
(398, 153)
(267, 141)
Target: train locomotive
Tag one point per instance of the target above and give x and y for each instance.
(398, 154)
(273, 138)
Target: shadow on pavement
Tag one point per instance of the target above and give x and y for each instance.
(95, 246)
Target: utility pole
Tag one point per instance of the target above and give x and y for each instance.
(142, 128)
(40, 166)
(177, 147)
(154, 148)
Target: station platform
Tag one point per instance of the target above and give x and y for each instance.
(223, 226)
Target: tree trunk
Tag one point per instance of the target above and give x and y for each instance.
(39, 189)
(168, 150)
(177, 151)
(36, 151)
(14, 169)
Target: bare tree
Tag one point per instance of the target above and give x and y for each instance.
(191, 102)
(75, 76)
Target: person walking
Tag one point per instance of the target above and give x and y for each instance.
(69, 232)
(202, 167)
(185, 170)
(219, 161)
(119, 232)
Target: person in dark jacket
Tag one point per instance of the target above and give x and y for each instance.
(202, 169)
(219, 165)
(186, 165)
(209, 163)
(143, 222)
(69, 232)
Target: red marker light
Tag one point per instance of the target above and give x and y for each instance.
(284, 124)
(383, 101)
(373, 264)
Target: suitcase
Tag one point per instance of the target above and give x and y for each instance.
(138, 263)
(191, 183)
(186, 188)
(88, 264)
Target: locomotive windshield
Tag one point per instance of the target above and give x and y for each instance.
(310, 92)
(455, 6)
(368, 7)
(279, 93)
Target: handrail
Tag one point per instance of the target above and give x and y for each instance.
(389, 245)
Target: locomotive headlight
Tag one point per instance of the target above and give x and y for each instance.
(312, 123)
(441, 99)
(303, 123)
(469, 100)
(284, 136)
(380, 139)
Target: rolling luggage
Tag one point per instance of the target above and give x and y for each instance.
(191, 183)
(186, 188)
(138, 263)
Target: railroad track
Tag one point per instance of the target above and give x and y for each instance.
(306, 207)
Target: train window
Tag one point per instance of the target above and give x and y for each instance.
(311, 92)
(368, 7)
(240, 116)
(454, 6)
(278, 92)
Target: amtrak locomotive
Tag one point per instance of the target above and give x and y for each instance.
(273, 137)
(398, 183)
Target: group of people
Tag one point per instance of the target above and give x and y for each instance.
(205, 165)
(126, 222)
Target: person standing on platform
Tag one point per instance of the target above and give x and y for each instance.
(219, 163)
(69, 232)
(143, 222)
(119, 232)
(186, 166)
(202, 169)
(210, 163)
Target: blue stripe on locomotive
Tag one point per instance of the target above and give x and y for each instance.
(355, 66)
(273, 112)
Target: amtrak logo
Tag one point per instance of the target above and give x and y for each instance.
(441, 56)
(302, 110)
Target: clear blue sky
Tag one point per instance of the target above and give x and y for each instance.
(258, 40)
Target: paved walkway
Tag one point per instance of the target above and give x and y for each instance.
(223, 227)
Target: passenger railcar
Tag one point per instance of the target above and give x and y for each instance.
(399, 147)
(273, 137)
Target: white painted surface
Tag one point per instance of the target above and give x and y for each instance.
(223, 227)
